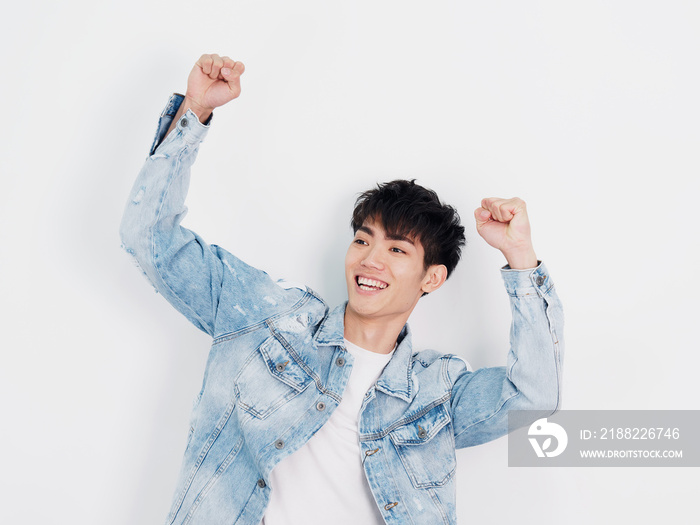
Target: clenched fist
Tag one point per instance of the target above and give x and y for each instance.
(503, 223)
(213, 81)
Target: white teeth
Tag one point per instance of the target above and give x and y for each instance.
(371, 282)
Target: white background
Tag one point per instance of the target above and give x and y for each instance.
(587, 110)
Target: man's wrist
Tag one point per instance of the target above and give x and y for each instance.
(202, 113)
(521, 260)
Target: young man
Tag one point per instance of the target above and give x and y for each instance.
(310, 416)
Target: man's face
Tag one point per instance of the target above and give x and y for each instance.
(385, 275)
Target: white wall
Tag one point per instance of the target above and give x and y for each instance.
(588, 110)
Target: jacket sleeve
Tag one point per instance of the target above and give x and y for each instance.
(187, 271)
(531, 379)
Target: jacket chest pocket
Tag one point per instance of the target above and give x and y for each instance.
(426, 448)
(269, 379)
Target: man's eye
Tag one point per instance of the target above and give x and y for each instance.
(397, 250)
(360, 241)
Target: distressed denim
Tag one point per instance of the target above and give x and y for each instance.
(277, 367)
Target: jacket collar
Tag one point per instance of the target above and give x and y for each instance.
(332, 328)
(396, 377)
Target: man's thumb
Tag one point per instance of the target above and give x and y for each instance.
(236, 71)
(482, 216)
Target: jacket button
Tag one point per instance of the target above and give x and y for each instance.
(421, 432)
(184, 122)
(261, 483)
(540, 280)
(279, 444)
(320, 406)
(281, 366)
(340, 361)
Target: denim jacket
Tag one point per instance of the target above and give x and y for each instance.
(277, 367)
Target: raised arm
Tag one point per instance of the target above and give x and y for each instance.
(181, 266)
(531, 379)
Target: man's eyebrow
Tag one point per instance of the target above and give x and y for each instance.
(369, 231)
(397, 237)
(392, 236)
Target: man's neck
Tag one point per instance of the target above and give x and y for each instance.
(375, 335)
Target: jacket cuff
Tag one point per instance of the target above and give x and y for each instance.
(531, 281)
(193, 131)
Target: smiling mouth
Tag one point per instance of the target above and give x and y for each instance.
(370, 285)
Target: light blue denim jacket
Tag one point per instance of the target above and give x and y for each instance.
(277, 367)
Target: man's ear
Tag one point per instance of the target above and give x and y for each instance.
(435, 277)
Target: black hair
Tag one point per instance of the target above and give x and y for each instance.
(407, 209)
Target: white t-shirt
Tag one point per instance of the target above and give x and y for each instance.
(324, 482)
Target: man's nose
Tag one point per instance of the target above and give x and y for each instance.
(373, 259)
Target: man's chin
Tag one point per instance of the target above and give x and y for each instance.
(362, 307)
